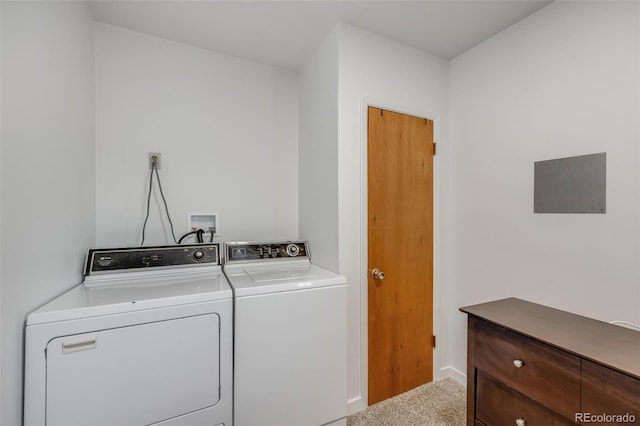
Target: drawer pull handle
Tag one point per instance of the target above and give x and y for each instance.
(518, 363)
(69, 347)
(520, 422)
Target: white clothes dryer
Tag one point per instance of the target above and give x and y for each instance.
(146, 339)
(290, 356)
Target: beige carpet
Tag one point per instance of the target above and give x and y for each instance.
(441, 403)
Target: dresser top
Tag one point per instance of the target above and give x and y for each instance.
(607, 344)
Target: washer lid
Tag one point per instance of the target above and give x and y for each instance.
(285, 276)
(132, 292)
(267, 275)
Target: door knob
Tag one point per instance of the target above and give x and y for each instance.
(377, 274)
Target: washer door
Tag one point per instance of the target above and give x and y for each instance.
(136, 375)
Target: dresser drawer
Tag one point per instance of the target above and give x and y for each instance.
(546, 375)
(497, 405)
(605, 391)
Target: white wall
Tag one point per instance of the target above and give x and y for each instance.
(227, 130)
(563, 82)
(1, 115)
(48, 204)
(318, 158)
(377, 71)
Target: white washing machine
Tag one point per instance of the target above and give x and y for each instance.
(146, 339)
(290, 356)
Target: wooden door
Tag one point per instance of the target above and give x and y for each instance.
(400, 245)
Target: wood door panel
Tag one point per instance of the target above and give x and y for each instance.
(400, 240)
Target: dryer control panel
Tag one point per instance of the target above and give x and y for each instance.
(252, 251)
(132, 258)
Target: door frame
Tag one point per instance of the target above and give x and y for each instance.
(403, 108)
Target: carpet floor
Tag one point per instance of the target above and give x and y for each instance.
(441, 403)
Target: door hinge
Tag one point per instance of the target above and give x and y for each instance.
(433, 341)
(434, 149)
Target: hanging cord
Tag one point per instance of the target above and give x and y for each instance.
(166, 208)
(199, 235)
(144, 226)
(164, 200)
(186, 235)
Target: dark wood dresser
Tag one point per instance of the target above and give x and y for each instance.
(531, 365)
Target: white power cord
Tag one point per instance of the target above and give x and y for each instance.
(625, 323)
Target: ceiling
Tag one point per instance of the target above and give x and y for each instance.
(286, 33)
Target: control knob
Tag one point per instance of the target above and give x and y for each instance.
(198, 254)
(293, 250)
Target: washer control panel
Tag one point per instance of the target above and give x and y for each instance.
(252, 251)
(122, 259)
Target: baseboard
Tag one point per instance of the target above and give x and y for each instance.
(356, 405)
(455, 374)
